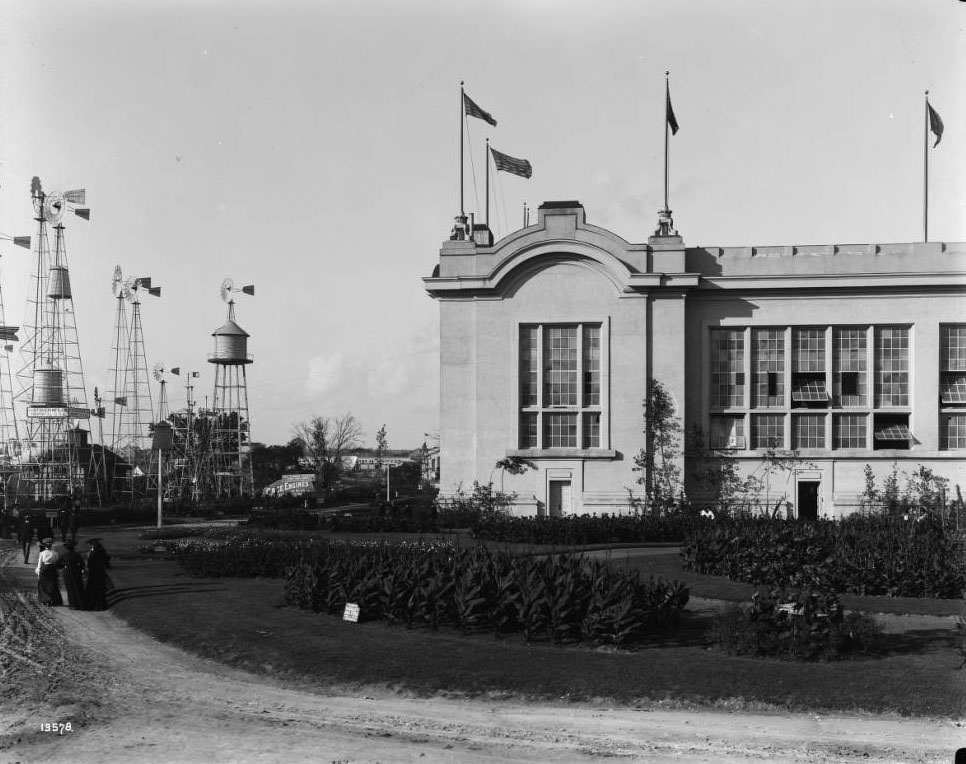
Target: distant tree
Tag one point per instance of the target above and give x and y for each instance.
(325, 441)
(382, 446)
(269, 463)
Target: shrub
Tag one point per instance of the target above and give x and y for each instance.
(861, 555)
(795, 625)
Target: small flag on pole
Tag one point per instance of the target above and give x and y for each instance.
(22, 241)
(472, 110)
(507, 163)
(935, 124)
(671, 120)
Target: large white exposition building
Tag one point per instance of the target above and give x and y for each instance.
(847, 355)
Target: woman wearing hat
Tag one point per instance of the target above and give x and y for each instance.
(73, 566)
(48, 586)
(98, 561)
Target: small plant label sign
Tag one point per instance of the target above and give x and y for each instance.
(351, 612)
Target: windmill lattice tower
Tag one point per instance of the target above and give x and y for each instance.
(191, 446)
(9, 431)
(131, 398)
(172, 466)
(230, 448)
(52, 376)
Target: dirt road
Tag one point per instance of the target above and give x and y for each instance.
(130, 698)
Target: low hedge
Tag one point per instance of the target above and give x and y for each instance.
(888, 556)
(580, 530)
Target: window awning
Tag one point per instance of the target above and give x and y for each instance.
(894, 432)
(953, 389)
(812, 390)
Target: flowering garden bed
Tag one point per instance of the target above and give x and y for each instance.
(562, 598)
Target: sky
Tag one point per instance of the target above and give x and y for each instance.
(311, 148)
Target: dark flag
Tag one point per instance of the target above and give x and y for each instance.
(671, 121)
(935, 124)
(507, 163)
(473, 110)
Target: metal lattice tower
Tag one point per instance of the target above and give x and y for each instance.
(52, 376)
(9, 431)
(230, 446)
(132, 405)
(170, 466)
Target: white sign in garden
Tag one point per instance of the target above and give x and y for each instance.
(351, 612)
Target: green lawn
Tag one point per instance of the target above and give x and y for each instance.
(245, 623)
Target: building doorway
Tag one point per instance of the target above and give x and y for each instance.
(558, 497)
(807, 504)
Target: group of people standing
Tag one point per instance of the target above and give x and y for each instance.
(86, 580)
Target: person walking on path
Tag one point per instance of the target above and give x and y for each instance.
(48, 585)
(73, 566)
(25, 535)
(98, 581)
(75, 521)
(63, 523)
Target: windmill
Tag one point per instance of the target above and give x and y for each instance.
(132, 405)
(230, 446)
(163, 476)
(51, 375)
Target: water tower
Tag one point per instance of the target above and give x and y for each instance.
(230, 440)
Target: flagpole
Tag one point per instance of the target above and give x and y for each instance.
(667, 99)
(925, 171)
(462, 211)
(487, 160)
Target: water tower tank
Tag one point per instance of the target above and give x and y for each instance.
(59, 285)
(48, 386)
(231, 344)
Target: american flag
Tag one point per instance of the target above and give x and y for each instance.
(473, 110)
(935, 124)
(671, 121)
(507, 163)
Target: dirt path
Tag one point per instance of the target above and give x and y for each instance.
(142, 701)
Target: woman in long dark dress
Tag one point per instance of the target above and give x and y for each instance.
(48, 585)
(73, 566)
(98, 561)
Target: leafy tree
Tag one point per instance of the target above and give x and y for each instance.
(269, 463)
(659, 461)
(325, 441)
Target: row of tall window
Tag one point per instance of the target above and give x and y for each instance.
(840, 387)
(810, 387)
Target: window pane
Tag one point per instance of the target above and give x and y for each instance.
(953, 431)
(849, 431)
(727, 365)
(808, 431)
(767, 431)
(528, 365)
(892, 366)
(559, 430)
(769, 371)
(591, 366)
(560, 366)
(849, 386)
(528, 430)
(808, 350)
(727, 432)
(592, 430)
(953, 347)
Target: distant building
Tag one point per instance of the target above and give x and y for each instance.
(847, 354)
